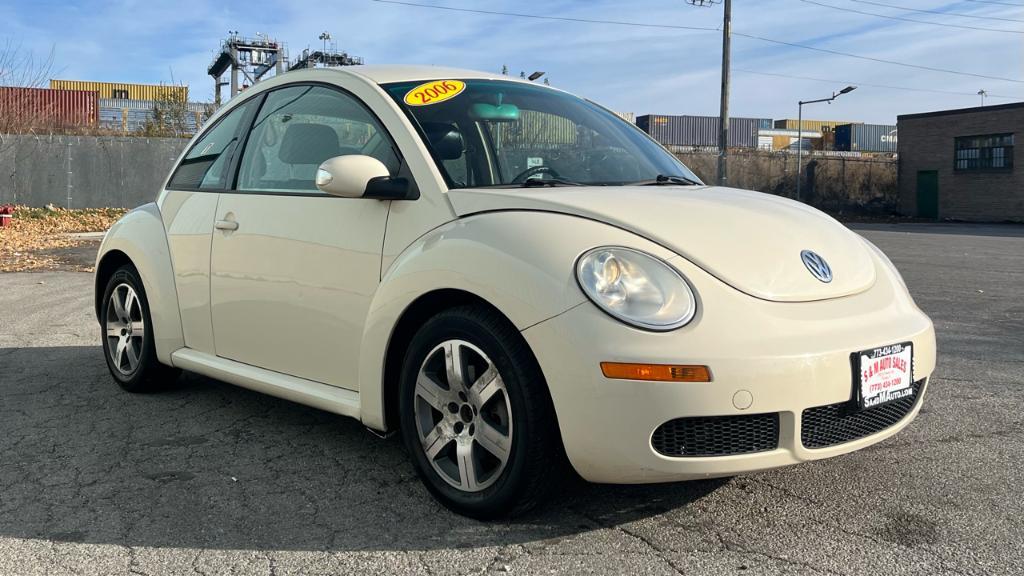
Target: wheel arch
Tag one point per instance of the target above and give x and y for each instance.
(519, 263)
(106, 265)
(419, 311)
(139, 239)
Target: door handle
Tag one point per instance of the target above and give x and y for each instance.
(227, 225)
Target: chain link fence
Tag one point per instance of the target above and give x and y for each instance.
(832, 183)
(102, 171)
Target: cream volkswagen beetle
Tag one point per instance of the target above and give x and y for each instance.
(514, 279)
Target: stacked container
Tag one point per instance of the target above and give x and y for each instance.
(812, 125)
(124, 91)
(46, 109)
(700, 131)
(866, 138)
(131, 115)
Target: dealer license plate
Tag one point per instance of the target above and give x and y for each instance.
(883, 374)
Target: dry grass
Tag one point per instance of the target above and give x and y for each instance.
(34, 234)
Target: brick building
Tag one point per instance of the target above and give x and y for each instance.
(959, 164)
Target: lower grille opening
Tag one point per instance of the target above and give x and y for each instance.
(824, 426)
(717, 435)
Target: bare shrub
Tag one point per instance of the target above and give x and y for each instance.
(831, 183)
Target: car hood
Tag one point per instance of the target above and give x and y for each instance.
(749, 240)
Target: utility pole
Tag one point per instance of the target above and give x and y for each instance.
(723, 110)
(982, 93)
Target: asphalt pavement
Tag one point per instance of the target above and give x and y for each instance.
(206, 478)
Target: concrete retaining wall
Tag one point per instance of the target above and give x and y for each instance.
(94, 171)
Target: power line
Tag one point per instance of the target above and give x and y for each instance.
(749, 36)
(879, 60)
(901, 19)
(543, 17)
(870, 85)
(976, 17)
(994, 2)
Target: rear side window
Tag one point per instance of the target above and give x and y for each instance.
(205, 165)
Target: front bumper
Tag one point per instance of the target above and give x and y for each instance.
(765, 357)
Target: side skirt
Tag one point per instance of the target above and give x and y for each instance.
(315, 394)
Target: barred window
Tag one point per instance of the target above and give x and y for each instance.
(988, 152)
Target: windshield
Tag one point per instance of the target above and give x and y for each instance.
(501, 133)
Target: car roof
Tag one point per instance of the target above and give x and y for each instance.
(387, 73)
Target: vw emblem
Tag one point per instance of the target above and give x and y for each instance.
(817, 266)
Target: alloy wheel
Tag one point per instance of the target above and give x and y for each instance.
(125, 329)
(463, 416)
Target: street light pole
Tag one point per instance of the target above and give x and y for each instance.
(799, 145)
(800, 132)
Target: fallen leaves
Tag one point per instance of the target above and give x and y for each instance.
(34, 234)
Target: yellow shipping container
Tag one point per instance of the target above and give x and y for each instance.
(124, 91)
(789, 143)
(782, 142)
(812, 125)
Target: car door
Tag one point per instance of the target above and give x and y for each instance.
(293, 270)
(187, 207)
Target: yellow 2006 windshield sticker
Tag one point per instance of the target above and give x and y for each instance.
(434, 92)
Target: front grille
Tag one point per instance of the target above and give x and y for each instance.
(823, 426)
(717, 435)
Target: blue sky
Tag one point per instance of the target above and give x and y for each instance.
(641, 70)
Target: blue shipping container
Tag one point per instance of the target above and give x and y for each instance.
(866, 138)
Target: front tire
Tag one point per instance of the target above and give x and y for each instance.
(477, 417)
(127, 334)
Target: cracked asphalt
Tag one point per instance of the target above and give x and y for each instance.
(206, 478)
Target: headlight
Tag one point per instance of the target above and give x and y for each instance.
(636, 288)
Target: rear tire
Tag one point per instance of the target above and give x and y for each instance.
(477, 417)
(126, 330)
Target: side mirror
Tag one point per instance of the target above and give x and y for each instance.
(348, 176)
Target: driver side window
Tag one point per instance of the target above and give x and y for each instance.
(298, 128)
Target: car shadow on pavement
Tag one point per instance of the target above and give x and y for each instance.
(208, 465)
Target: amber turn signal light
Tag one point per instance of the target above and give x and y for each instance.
(656, 372)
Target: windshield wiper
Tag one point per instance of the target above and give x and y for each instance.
(664, 180)
(531, 182)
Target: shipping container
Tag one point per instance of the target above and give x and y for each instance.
(130, 116)
(148, 104)
(124, 91)
(866, 138)
(46, 109)
(816, 125)
(627, 116)
(789, 143)
(700, 131)
(784, 139)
